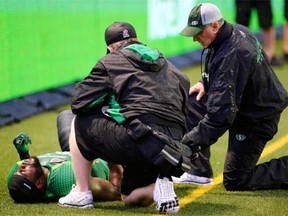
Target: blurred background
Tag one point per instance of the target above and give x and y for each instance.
(47, 46)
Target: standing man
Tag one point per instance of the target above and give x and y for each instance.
(130, 110)
(285, 32)
(244, 10)
(241, 94)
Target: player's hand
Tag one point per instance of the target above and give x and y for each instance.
(186, 140)
(21, 142)
(199, 89)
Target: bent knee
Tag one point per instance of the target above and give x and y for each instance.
(235, 183)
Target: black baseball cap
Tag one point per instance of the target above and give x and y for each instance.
(118, 31)
(23, 190)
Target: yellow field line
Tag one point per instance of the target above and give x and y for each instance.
(274, 146)
(219, 179)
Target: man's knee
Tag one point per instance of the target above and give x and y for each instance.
(235, 183)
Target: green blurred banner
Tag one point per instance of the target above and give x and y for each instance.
(45, 44)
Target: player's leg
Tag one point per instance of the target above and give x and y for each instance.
(64, 120)
(104, 190)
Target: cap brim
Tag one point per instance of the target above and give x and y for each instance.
(190, 31)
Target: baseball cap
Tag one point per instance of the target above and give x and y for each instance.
(200, 16)
(23, 190)
(118, 31)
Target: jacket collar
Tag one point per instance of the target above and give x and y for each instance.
(225, 32)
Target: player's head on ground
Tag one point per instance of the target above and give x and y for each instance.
(28, 183)
(117, 33)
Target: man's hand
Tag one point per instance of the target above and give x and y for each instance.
(186, 140)
(199, 89)
(21, 142)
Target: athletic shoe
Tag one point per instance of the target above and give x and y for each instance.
(77, 199)
(187, 178)
(165, 197)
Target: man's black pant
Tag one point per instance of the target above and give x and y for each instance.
(201, 166)
(246, 143)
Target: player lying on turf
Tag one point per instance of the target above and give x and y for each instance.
(50, 176)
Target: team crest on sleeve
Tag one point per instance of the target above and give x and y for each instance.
(240, 137)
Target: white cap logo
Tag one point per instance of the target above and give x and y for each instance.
(126, 34)
(194, 23)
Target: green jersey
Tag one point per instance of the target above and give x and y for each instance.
(61, 176)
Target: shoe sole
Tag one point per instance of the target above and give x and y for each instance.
(170, 207)
(172, 210)
(88, 206)
(195, 183)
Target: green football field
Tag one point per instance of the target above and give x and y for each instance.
(194, 200)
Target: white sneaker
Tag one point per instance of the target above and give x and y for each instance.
(77, 199)
(187, 178)
(165, 197)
